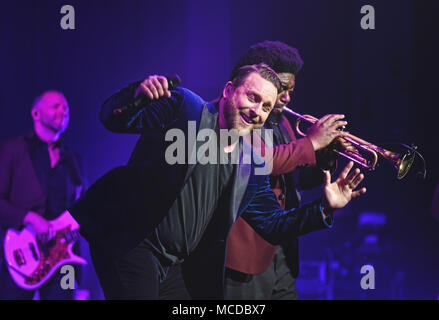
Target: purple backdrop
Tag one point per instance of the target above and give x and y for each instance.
(384, 80)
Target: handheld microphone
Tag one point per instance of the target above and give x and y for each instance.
(173, 82)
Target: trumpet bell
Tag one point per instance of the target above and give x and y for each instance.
(401, 163)
(405, 164)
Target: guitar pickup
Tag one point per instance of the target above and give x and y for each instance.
(19, 257)
(34, 251)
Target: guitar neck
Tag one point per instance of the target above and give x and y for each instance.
(71, 236)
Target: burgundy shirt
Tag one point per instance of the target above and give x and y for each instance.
(247, 252)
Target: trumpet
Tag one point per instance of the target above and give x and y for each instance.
(402, 163)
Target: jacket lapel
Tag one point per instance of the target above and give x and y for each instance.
(209, 120)
(241, 180)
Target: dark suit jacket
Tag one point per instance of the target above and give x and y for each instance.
(247, 252)
(20, 188)
(127, 203)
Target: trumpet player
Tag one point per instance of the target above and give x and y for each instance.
(256, 269)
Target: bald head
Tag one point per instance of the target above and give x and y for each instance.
(50, 94)
(50, 111)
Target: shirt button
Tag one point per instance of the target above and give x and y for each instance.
(281, 196)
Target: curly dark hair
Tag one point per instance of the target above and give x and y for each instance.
(278, 55)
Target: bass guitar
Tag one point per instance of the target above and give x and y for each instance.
(30, 262)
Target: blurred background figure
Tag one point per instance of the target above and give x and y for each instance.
(39, 177)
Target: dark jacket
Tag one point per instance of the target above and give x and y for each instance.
(127, 203)
(20, 188)
(294, 168)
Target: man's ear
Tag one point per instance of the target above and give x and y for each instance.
(35, 113)
(227, 89)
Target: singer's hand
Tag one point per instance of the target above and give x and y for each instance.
(154, 87)
(340, 192)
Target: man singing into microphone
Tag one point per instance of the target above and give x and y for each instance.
(143, 220)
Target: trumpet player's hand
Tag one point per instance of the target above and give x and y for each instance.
(341, 191)
(341, 144)
(154, 87)
(325, 130)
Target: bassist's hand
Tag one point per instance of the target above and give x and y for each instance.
(42, 227)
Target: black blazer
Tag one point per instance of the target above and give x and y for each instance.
(127, 203)
(20, 188)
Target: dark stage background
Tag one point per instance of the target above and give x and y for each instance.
(384, 80)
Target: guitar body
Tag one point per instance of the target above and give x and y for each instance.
(31, 263)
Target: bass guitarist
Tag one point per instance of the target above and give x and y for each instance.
(39, 178)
